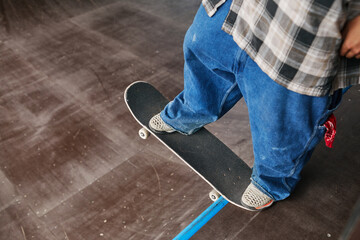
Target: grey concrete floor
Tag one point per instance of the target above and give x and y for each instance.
(71, 163)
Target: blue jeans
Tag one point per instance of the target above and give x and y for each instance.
(285, 126)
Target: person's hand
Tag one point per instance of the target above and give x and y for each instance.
(351, 35)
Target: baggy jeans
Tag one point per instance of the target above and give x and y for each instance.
(285, 126)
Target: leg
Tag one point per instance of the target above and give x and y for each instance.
(210, 89)
(285, 126)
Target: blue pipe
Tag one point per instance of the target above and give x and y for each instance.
(202, 219)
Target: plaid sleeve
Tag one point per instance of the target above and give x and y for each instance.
(353, 9)
(348, 73)
(349, 68)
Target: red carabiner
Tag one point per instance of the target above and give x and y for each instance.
(330, 125)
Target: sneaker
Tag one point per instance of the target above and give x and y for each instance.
(253, 199)
(157, 125)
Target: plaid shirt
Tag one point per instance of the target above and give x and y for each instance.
(296, 43)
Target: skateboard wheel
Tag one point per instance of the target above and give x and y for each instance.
(143, 133)
(214, 195)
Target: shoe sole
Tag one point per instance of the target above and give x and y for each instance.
(257, 208)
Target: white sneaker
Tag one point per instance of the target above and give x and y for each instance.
(157, 125)
(253, 199)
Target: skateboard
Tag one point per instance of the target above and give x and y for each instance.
(204, 153)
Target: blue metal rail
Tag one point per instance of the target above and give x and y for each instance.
(202, 219)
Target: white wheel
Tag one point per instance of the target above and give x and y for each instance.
(214, 195)
(143, 133)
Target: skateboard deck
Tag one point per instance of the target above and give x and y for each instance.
(204, 153)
